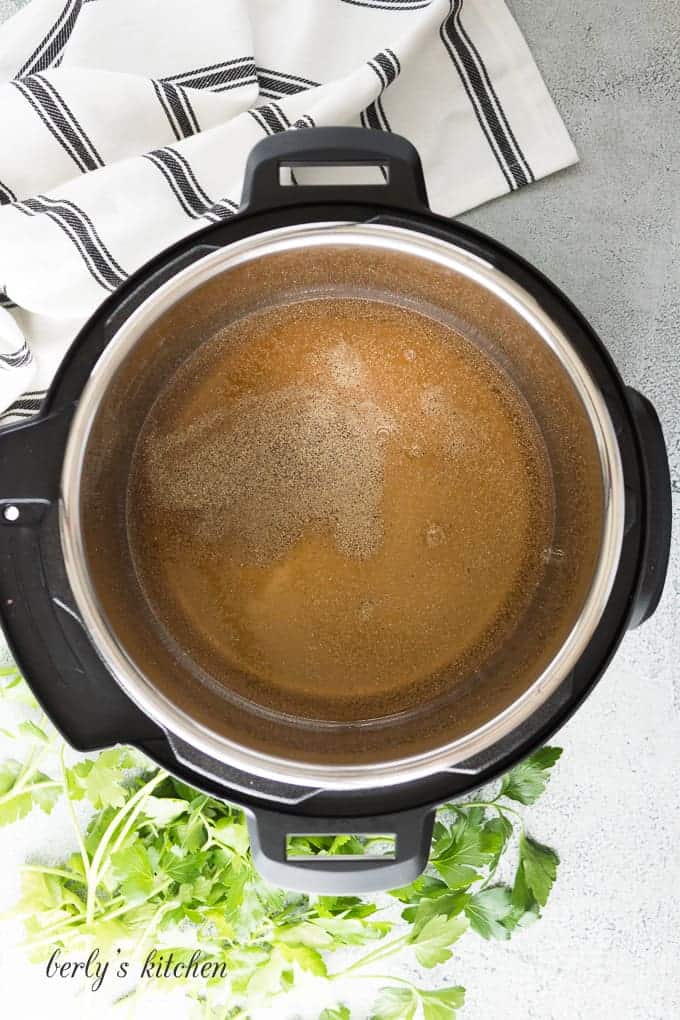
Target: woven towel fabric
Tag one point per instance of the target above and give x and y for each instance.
(125, 125)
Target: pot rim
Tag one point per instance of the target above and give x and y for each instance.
(448, 757)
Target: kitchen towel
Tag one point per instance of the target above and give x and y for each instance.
(125, 125)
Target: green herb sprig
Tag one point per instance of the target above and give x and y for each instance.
(158, 859)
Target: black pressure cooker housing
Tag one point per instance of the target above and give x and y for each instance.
(52, 646)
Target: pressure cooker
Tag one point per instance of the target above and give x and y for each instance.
(106, 671)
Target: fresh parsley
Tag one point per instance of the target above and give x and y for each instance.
(527, 781)
(158, 856)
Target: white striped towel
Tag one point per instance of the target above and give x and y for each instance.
(125, 125)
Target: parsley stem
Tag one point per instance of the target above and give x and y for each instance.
(28, 770)
(382, 977)
(51, 931)
(501, 808)
(133, 906)
(153, 923)
(17, 789)
(378, 954)
(72, 815)
(78, 921)
(134, 815)
(106, 838)
(40, 869)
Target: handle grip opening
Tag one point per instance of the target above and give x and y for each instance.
(405, 837)
(332, 164)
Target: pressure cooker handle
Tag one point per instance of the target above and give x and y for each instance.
(403, 185)
(333, 875)
(658, 509)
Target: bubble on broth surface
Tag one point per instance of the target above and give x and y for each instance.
(434, 535)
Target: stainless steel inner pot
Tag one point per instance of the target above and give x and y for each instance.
(408, 269)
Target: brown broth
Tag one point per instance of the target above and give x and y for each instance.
(333, 501)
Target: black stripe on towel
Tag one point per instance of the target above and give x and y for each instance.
(390, 5)
(78, 227)
(31, 398)
(60, 120)
(386, 66)
(374, 116)
(21, 409)
(9, 413)
(17, 359)
(192, 197)
(492, 90)
(488, 111)
(6, 194)
(229, 74)
(221, 210)
(305, 122)
(182, 181)
(25, 406)
(177, 108)
(270, 118)
(50, 49)
(275, 84)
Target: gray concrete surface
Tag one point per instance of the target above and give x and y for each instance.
(608, 232)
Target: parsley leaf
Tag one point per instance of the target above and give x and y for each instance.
(448, 905)
(9, 773)
(494, 837)
(347, 906)
(527, 781)
(402, 1003)
(462, 855)
(101, 779)
(229, 832)
(488, 910)
(45, 792)
(14, 688)
(30, 729)
(336, 1013)
(164, 810)
(270, 977)
(539, 864)
(135, 870)
(22, 789)
(395, 1004)
(432, 942)
(424, 887)
(442, 1004)
(306, 958)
